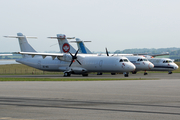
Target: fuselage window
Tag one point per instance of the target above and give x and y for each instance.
(141, 59)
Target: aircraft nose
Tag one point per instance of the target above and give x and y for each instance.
(176, 67)
(151, 65)
(132, 67)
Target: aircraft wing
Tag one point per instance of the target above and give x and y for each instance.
(5, 54)
(159, 54)
(53, 55)
(152, 55)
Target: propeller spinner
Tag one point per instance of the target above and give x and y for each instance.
(74, 58)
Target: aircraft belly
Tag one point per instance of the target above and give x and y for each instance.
(161, 68)
(46, 64)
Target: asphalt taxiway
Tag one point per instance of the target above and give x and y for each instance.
(139, 75)
(102, 100)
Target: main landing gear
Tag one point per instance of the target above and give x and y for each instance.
(84, 75)
(67, 74)
(113, 73)
(99, 73)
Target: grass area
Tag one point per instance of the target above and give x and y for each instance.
(71, 79)
(20, 69)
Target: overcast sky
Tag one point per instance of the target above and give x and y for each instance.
(115, 24)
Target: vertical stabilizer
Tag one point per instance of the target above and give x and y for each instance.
(64, 45)
(23, 43)
(81, 46)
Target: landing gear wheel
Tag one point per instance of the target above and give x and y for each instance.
(113, 73)
(84, 75)
(145, 73)
(170, 72)
(67, 74)
(126, 75)
(99, 73)
(134, 72)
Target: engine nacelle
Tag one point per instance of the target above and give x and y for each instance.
(66, 57)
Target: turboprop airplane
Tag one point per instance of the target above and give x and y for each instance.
(163, 64)
(141, 63)
(71, 63)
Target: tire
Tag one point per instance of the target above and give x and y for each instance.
(113, 73)
(67, 74)
(84, 75)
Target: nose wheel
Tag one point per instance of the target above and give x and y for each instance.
(170, 72)
(126, 74)
(145, 73)
(134, 72)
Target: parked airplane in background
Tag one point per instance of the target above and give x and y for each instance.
(163, 64)
(141, 63)
(160, 64)
(69, 63)
(81, 45)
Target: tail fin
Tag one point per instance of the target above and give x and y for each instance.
(23, 43)
(64, 44)
(82, 48)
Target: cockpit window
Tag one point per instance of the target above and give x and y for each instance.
(142, 59)
(123, 60)
(145, 60)
(167, 61)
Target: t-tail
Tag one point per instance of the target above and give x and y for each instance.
(23, 43)
(81, 46)
(64, 45)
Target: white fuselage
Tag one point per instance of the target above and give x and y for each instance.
(89, 64)
(141, 63)
(163, 64)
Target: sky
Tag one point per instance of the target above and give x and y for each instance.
(115, 24)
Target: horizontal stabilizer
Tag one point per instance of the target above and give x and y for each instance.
(21, 37)
(61, 38)
(79, 41)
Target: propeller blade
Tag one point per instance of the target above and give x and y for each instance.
(107, 52)
(71, 63)
(70, 54)
(78, 62)
(76, 52)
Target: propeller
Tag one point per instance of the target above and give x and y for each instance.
(74, 58)
(107, 52)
